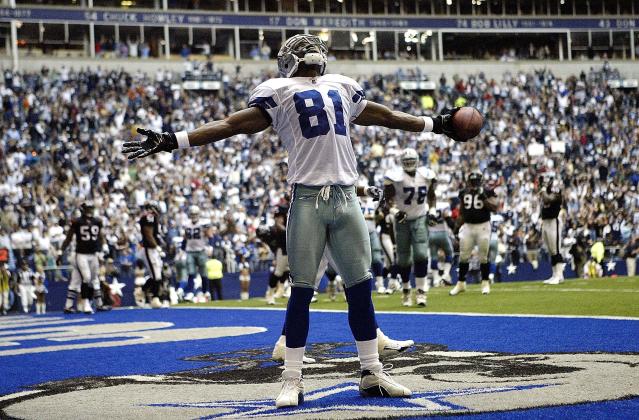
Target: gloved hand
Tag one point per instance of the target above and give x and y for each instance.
(154, 143)
(401, 216)
(443, 124)
(376, 193)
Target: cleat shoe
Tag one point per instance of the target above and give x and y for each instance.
(270, 296)
(292, 393)
(155, 303)
(485, 287)
(387, 347)
(70, 310)
(393, 285)
(380, 384)
(86, 307)
(459, 288)
(552, 280)
(420, 298)
(381, 290)
(103, 308)
(166, 304)
(407, 299)
(314, 298)
(189, 297)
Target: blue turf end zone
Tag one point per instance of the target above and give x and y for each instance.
(503, 334)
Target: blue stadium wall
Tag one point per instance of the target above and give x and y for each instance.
(259, 281)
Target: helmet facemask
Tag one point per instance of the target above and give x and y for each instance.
(307, 49)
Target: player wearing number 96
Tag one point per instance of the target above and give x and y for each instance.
(412, 190)
(476, 205)
(87, 230)
(311, 112)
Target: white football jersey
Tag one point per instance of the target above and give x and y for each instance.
(312, 117)
(411, 191)
(194, 235)
(368, 208)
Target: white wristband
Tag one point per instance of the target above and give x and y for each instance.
(428, 125)
(182, 138)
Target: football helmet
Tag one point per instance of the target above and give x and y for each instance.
(475, 179)
(309, 49)
(87, 209)
(409, 159)
(153, 206)
(194, 213)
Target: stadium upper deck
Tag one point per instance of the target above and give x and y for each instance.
(421, 30)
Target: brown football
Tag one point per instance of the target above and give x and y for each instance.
(467, 123)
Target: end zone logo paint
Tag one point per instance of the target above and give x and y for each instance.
(244, 383)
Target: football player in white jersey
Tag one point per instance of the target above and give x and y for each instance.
(311, 112)
(195, 243)
(412, 190)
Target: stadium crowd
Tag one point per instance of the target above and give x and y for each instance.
(61, 134)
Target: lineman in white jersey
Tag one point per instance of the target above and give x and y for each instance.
(311, 112)
(412, 189)
(195, 243)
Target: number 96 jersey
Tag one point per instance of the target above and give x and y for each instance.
(473, 208)
(411, 191)
(312, 116)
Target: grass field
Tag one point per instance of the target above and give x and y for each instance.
(606, 296)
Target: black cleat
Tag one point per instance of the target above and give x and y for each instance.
(70, 311)
(103, 308)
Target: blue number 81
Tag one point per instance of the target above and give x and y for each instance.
(316, 109)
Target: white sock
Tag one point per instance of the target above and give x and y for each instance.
(406, 286)
(68, 304)
(379, 281)
(368, 355)
(421, 284)
(44, 307)
(293, 360)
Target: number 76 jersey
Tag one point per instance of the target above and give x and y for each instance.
(312, 116)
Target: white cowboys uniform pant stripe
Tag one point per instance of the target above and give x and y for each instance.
(471, 235)
(85, 270)
(152, 262)
(551, 234)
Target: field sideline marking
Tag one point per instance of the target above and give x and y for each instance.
(622, 318)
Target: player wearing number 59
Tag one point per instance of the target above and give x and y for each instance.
(311, 112)
(476, 204)
(87, 230)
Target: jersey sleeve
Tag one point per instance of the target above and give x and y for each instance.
(357, 98)
(265, 98)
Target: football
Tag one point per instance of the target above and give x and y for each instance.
(467, 122)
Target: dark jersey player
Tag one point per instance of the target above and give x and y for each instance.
(551, 227)
(150, 253)
(87, 231)
(476, 205)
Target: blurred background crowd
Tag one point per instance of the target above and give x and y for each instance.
(61, 134)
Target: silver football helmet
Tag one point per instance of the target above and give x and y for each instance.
(409, 159)
(309, 49)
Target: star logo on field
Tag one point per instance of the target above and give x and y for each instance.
(344, 398)
(512, 269)
(611, 265)
(116, 287)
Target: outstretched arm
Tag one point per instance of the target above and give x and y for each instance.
(376, 114)
(248, 121)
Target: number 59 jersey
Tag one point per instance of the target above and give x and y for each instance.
(312, 116)
(87, 235)
(411, 191)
